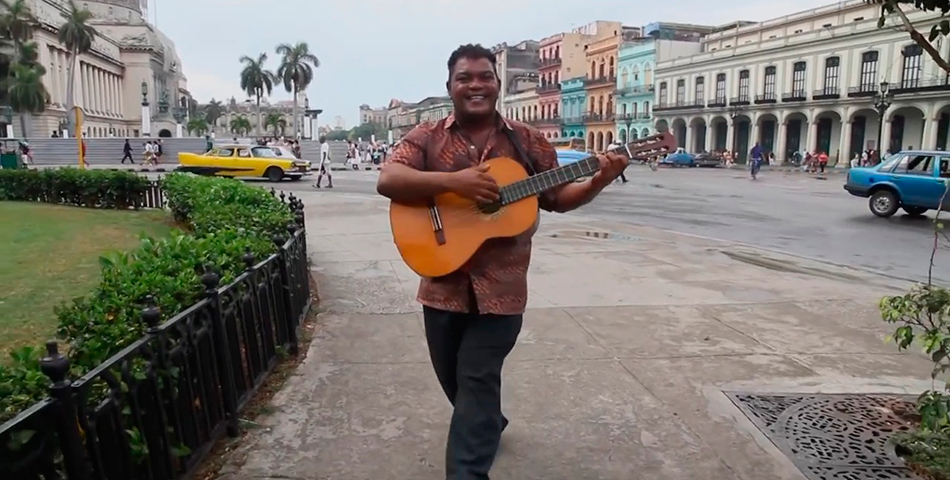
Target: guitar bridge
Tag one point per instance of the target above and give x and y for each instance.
(437, 227)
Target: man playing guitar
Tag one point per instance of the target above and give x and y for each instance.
(473, 316)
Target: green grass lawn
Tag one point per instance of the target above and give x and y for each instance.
(50, 254)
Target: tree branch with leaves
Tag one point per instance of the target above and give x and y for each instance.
(940, 8)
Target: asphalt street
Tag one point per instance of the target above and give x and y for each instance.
(790, 213)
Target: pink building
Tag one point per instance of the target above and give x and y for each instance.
(549, 88)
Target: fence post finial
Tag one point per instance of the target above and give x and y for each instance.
(210, 280)
(56, 367)
(248, 258)
(151, 315)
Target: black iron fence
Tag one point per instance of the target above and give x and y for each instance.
(154, 410)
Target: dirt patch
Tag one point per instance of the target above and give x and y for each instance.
(223, 451)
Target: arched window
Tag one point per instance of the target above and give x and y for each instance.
(611, 68)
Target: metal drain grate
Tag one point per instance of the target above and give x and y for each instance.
(833, 437)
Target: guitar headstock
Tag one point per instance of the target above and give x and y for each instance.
(647, 147)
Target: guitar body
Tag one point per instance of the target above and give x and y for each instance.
(464, 227)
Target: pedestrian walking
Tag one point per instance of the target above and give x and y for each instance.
(324, 163)
(127, 152)
(82, 145)
(159, 151)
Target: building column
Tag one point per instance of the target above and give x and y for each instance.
(730, 136)
(812, 138)
(754, 132)
(710, 136)
(688, 141)
(844, 146)
(885, 140)
(96, 94)
(781, 142)
(82, 96)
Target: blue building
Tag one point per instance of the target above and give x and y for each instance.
(573, 108)
(636, 66)
(635, 89)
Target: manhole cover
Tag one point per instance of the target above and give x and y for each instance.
(833, 437)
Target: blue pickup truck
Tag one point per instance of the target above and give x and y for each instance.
(914, 181)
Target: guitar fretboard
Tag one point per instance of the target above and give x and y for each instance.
(536, 184)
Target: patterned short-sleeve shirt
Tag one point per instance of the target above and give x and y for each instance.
(495, 280)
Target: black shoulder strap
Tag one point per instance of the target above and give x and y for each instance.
(528, 161)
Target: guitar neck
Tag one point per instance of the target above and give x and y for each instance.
(536, 184)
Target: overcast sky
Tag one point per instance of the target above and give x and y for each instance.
(373, 50)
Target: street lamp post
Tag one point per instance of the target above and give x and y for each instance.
(627, 122)
(180, 114)
(734, 112)
(146, 112)
(882, 101)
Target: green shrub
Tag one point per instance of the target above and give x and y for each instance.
(84, 188)
(226, 219)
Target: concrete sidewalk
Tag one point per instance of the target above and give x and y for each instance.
(628, 344)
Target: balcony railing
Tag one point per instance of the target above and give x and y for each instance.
(607, 80)
(940, 83)
(598, 117)
(717, 102)
(631, 89)
(826, 93)
(740, 100)
(643, 116)
(626, 116)
(765, 98)
(550, 62)
(699, 102)
(551, 87)
(798, 96)
(573, 120)
(547, 121)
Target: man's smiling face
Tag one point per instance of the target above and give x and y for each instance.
(474, 87)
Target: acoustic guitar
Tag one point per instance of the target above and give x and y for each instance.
(438, 236)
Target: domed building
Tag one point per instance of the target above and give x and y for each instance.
(132, 68)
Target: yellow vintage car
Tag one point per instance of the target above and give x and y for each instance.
(245, 161)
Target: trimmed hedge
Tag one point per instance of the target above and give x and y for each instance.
(222, 220)
(82, 188)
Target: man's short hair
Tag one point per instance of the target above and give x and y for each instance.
(471, 52)
(323, 138)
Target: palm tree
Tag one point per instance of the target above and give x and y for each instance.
(77, 35)
(276, 121)
(257, 81)
(197, 125)
(296, 70)
(26, 92)
(213, 111)
(240, 125)
(17, 24)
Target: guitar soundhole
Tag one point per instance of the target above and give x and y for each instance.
(489, 208)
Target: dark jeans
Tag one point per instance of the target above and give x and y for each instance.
(468, 351)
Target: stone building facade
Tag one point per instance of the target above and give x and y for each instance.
(131, 63)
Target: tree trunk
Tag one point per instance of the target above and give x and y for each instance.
(23, 126)
(259, 115)
(296, 133)
(70, 93)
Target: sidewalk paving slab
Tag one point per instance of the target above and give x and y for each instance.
(628, 347)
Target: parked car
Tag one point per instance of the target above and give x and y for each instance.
(565, 157)
(707, 159)
(679, 158)
(244, 161)
(914, 181)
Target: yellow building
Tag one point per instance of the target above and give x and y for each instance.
(600, 83)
